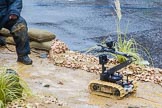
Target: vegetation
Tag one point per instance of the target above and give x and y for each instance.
(129, 46)
(11, 87)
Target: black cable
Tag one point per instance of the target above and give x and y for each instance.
(4, 44)
(9, 49)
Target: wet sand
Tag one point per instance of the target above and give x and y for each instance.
(71, 86)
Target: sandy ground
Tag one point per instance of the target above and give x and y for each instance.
(71, 86)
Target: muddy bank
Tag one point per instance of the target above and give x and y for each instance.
(70, 86)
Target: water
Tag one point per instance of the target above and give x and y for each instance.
(77, 22)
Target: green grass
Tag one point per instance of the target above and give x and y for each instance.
(129, 46)
(11, 87)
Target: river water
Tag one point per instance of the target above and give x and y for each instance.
(80, 22)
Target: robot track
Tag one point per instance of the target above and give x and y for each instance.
(108, 89)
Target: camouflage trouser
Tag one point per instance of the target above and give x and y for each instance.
(18, 29)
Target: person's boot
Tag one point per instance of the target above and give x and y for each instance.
(25, 60)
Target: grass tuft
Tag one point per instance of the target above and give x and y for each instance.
(129, 46)
(11, 87)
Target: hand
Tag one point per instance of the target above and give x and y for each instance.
(13, 17)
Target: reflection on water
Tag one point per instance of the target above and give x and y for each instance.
(73, 21)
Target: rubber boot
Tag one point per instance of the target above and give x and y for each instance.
(25, 60)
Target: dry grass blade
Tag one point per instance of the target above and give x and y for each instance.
(118, 9)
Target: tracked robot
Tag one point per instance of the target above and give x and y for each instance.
(111, 83)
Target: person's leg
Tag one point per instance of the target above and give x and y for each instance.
(18, 29)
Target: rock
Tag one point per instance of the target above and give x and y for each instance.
(160, 71)
(60, 104)
(39, 35)
(5, 32)
(61, 83)
(160, 84)
(128, 72)
(46, 85)
(41, 45)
